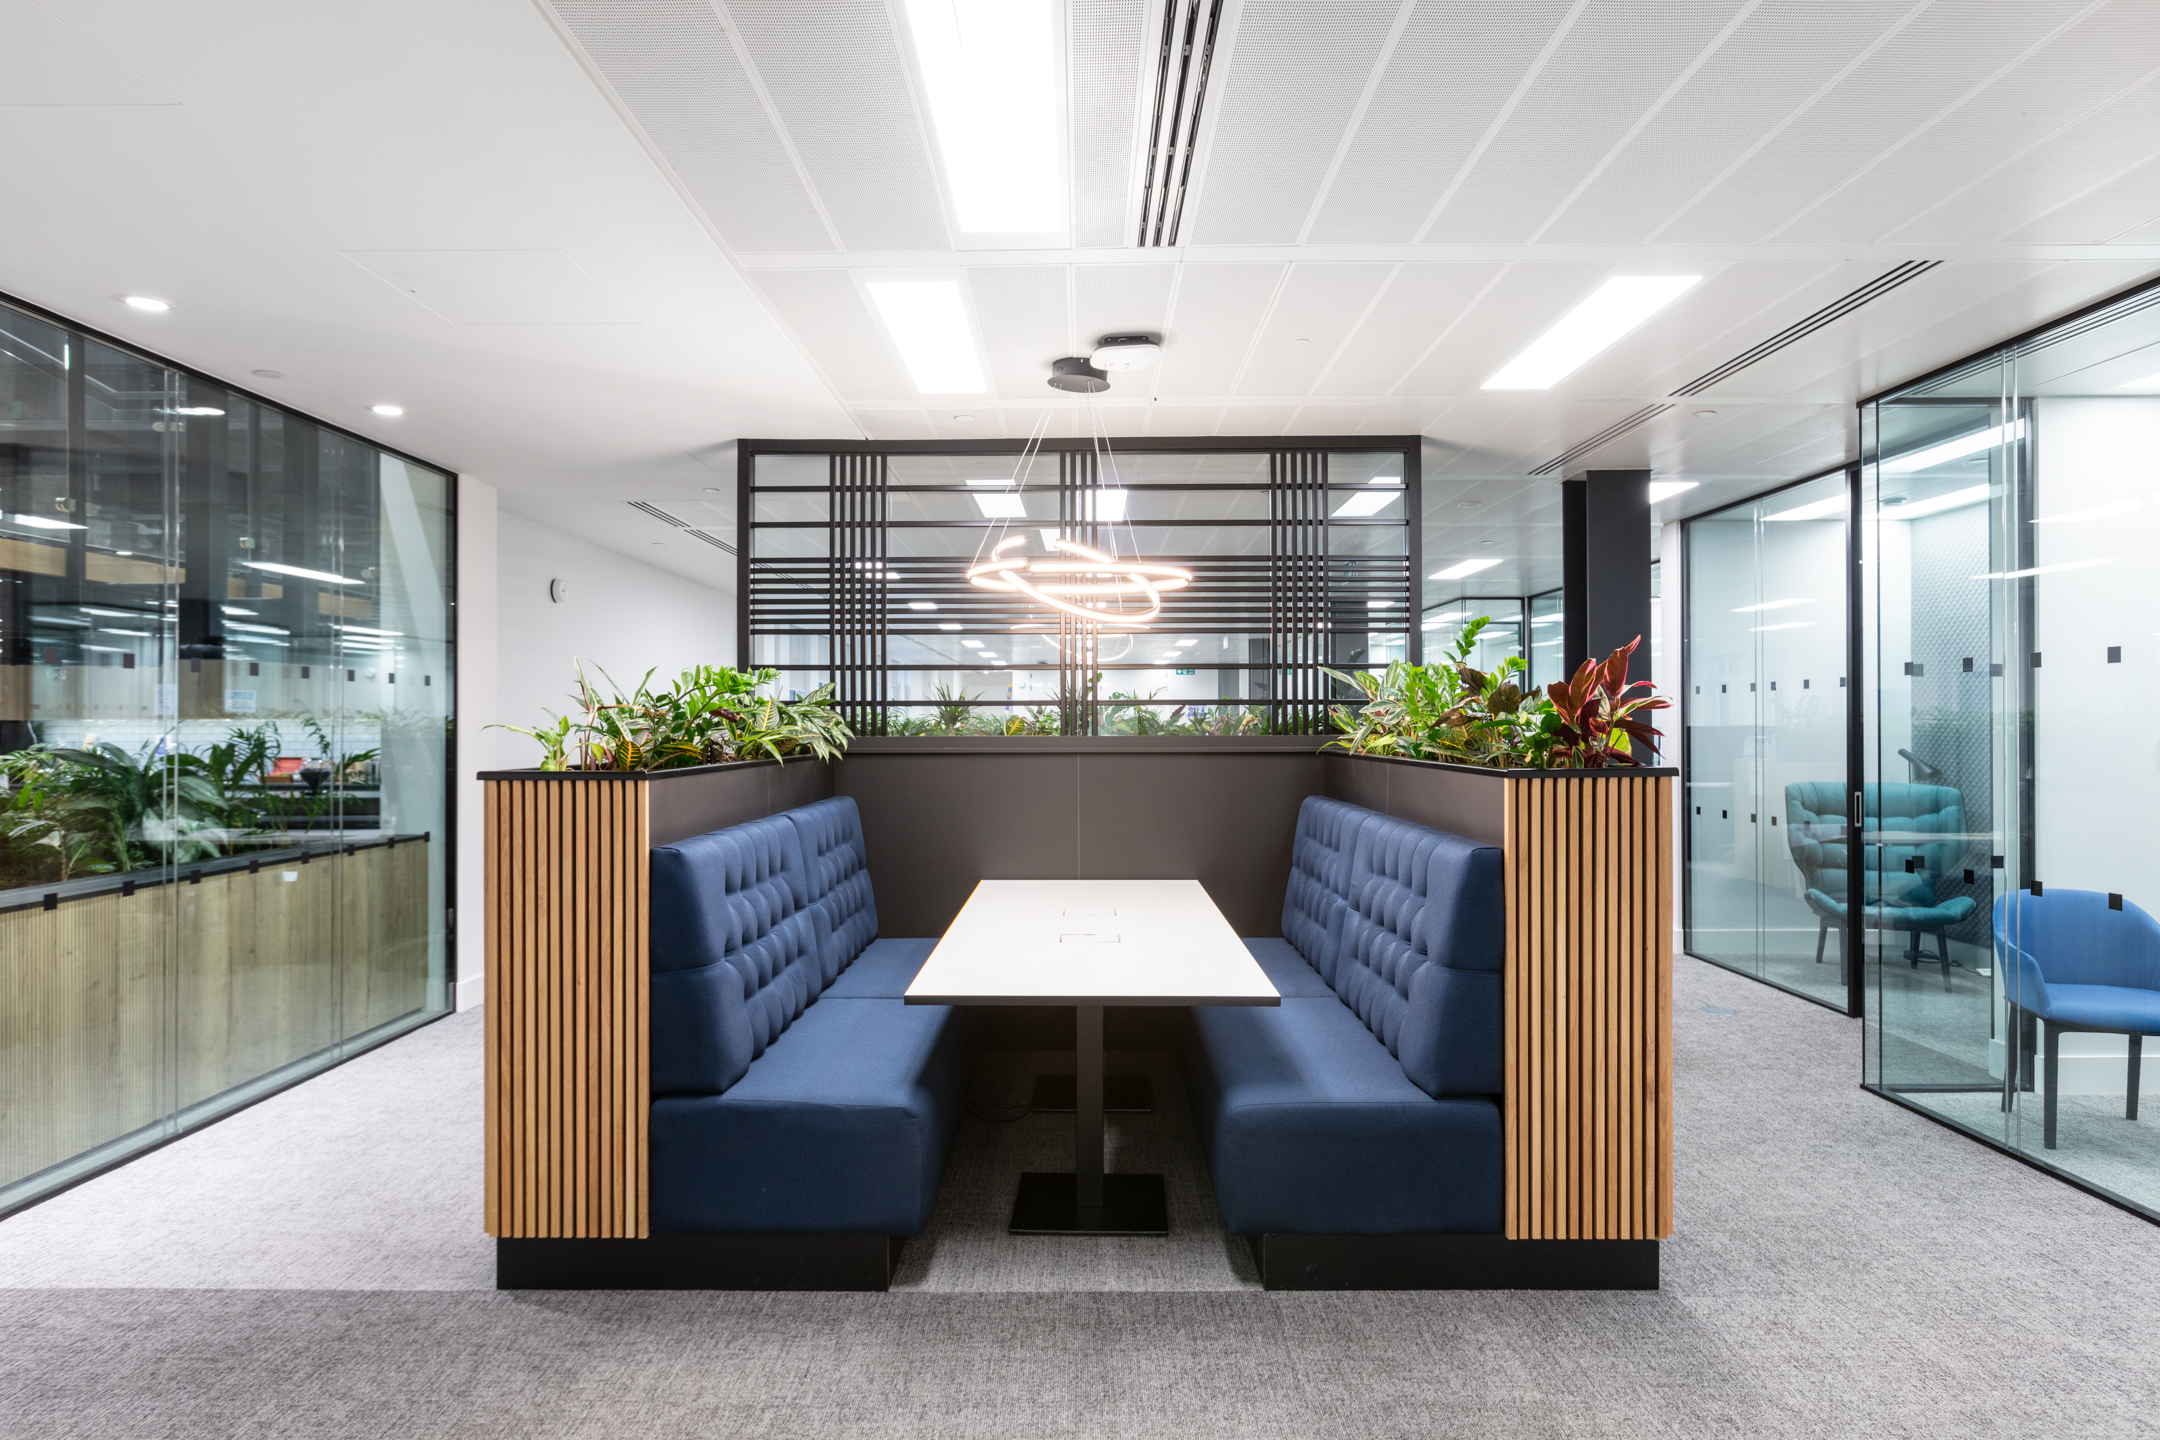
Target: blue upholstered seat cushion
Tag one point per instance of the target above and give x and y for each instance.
(882, 972)
(1310, 1127)
(836, 871)
(1319, 888)
(1287, 971)
(737, 952)
(1422, 944)
(2068, 955)
(2106, 1007)
(841, 1127)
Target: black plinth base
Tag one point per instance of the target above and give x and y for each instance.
(699, 1262)
(1121, 1094)
(1452, 1262)
(1132, 1205)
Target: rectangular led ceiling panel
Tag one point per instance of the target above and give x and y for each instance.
(1576, 338)
(990, 72)
(929, 326)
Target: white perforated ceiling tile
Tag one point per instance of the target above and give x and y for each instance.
(1256, 419)
(1328, 420)
(1312, 316)
(828, 316)
(1614, 62)
(1282, 104)
(1509, 315)
(674, 69)
(1183, 419)
(1917, 73)
(1107, 44)
(1451, 73)
(1413, 314)
(1022, 312)
(835, 74)
(1216, 312)
(2096, 58)
(1780, 55)
(1733, 309)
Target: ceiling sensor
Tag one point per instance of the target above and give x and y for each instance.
(1126, 352)
(1075, 374)
(1468, 504)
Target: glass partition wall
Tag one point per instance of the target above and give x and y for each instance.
(2010, 510)
(854, 561)
(1765, 750)
(225, 706)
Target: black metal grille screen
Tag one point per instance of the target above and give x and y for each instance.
(854, 560)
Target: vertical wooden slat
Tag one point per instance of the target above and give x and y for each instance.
(567, 1068)
(1587, 1117)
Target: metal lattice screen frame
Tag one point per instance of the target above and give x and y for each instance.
(1304, 558)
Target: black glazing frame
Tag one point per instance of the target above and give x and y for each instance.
(1855, 971)
(1304, 585)
(2003, 353)
(78, 459)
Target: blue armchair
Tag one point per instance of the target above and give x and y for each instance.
(2076, 960)
(1906, 877)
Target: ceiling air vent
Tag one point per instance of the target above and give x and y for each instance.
(1610, 433)
(683, 525)
(1799, 330)
(1181, 76)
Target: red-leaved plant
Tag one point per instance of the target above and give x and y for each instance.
(1597, 712)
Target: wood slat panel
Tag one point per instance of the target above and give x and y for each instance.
(568, 1058)
(1587, 1114)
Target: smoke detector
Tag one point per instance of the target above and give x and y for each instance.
(1075, 374)
(1126, 352)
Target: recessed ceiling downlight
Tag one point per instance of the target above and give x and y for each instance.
(389, 411)
(146, 302)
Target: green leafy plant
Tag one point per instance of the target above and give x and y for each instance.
(1454, 712)
(710, 715)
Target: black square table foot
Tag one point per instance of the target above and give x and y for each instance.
(1132, 1205)
(1121, 1094)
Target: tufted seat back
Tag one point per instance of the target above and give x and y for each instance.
(738, 952)
(837, 874)
(1318, 896)
(1909, 871)
(1419, 957)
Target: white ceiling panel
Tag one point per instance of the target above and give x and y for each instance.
(2097, 58)
(1450, 77)
(1293, 80)
(1109, 299)
(2119, 207)
(827, 314)
(1327, 420)
(898, 425)
(1022, 310)
(673, 67)
(1918, 73)
(1217, 311)
(1315, 313)
(1183, 419)
(1509, 315)
(1414, 313)
(1614, 63)
(1256, 419)
(1107, 43)
(1766, 69)
(836, 77)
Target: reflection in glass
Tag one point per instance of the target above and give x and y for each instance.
(1766, 738)
(224, 737)
(2009, 516)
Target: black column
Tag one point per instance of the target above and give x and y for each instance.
(1605, 567)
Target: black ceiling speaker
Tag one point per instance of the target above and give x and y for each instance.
(1075, 374)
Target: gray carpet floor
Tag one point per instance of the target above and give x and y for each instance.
(1841, 1267)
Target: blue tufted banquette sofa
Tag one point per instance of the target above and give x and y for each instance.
(1369, 1102)
(792, 1091)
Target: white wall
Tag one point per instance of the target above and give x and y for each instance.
(620, 616)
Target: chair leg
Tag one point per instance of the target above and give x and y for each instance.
(2137, 1045)
(2010, 1058)
(2028, 1044)
(1942, 953)
(2052, 1061)
(1822, 933)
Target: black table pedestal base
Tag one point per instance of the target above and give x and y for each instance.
(1121, 1094)
(1132, 1205)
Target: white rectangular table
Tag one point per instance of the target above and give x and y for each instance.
(1087, 944)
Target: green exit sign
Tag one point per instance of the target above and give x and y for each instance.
(1185, 672)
